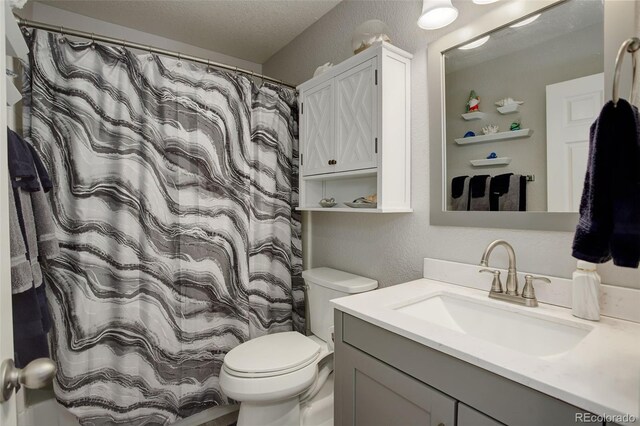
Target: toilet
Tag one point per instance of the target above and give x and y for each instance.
(286, 378)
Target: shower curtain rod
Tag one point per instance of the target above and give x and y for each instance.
(151, 49)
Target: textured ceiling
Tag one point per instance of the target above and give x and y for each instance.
(247, 29)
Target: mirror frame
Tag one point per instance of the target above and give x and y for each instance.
(618, 26)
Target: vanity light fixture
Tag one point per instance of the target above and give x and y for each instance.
(525, 21)
(484, 1)
(479, 42)
(437, 14)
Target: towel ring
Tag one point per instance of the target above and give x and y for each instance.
(631, 45)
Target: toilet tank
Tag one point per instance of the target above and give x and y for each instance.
(325, 284)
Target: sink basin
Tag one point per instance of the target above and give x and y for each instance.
(527, 332)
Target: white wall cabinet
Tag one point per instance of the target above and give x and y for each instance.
(355, 132)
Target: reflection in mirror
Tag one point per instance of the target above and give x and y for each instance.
(519, 104)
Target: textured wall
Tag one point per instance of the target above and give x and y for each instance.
(391, 247)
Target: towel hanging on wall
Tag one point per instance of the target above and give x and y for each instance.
(460, 193)
(479, 193)
(32, 239)
(609, 225)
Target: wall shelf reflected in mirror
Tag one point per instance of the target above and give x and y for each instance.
(495, 137)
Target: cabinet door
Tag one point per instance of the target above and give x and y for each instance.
(356, 118)
(467, 416)
(375, 394)
(318, 130)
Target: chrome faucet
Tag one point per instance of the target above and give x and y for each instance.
(512, 275)
(528, 296)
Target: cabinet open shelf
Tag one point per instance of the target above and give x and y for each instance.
(495, 137)
(351, 210)
(342, 175)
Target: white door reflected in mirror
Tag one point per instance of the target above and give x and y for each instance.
(572, 106)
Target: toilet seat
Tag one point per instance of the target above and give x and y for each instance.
(271, 355)
(269, 368)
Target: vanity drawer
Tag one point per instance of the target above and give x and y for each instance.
(504, 400)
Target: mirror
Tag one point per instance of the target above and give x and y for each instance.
(519, 104)
(511, 99)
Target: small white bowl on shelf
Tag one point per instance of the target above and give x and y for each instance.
(327, 203)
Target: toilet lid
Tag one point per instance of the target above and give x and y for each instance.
(271, 355)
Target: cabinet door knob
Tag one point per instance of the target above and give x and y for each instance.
(329, 162)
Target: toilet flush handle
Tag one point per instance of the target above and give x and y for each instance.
(332, 334)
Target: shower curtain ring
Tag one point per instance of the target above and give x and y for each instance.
(61, 39)
(208, 66)
(93, 42)
(179, 60)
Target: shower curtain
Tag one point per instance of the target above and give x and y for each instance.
(175, 188)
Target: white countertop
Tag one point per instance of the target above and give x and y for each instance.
(601, 374)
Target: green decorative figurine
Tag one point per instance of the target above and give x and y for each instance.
(515, 126)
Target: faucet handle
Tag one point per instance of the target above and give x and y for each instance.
(496, 285)
(528, 292)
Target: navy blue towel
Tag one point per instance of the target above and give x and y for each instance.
(31, 323)
(478, 186)
(22, 168)
(609, 225)
(45, 180)
(457, 186)
(31, 316)
(498, 187)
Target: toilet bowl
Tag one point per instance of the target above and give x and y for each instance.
(287, 378)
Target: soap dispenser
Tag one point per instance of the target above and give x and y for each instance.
(586, 292)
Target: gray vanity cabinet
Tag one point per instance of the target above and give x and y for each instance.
(384, 396)
(382, 378)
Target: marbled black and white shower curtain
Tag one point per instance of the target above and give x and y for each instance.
(173, 200)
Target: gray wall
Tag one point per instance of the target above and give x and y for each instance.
(390, 247)
(522, 75)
